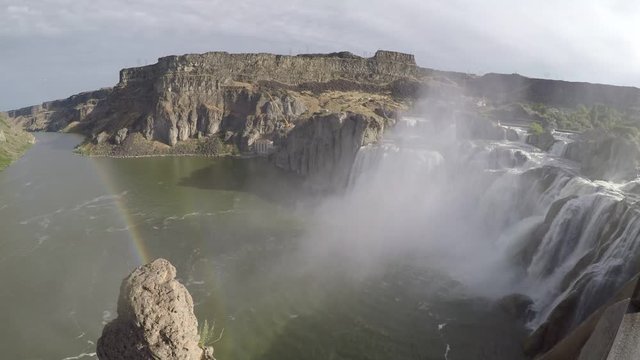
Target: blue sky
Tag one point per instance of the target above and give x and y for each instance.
(51, 49)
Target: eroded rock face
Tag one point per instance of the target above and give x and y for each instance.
(155, 318)
(121, 135)
(56, 115)
(605, 156)
(323, 148)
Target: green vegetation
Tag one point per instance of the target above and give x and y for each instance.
(619, 122)
(535, 128)
(584, 118)
(213, 146)
(13, 142)
(206, 333)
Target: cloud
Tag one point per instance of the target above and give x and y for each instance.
(586, 40)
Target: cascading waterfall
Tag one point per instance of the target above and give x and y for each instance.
(563, 139)
(502, 204)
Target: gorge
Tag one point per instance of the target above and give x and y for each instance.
(425, 219)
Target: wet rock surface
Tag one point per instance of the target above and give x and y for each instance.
(605, 156)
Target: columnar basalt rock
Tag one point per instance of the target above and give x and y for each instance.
(155, 319)
(324, 147)
(183, 97)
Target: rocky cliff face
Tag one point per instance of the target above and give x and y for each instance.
(323, 148)
(57, 115)
(514, 88)
(155, 319)
(240, 98)
(605, 156)
(176, 105)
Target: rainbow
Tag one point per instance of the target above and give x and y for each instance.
(137, 245)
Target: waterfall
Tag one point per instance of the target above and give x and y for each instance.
(511, 217)
(521, 131)
(558, 148)
(563, 139)
(572, 234)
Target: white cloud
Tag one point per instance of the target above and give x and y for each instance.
(588, 40)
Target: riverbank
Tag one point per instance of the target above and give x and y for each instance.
(13, 143)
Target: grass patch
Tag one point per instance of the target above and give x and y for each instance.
(13, 142)
(207, 335)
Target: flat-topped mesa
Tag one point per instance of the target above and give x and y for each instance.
(394, 56)
(382, 68)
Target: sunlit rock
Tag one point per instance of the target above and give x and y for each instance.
(121, 135)
(155, 318)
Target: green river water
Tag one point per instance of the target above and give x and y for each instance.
(72, 227)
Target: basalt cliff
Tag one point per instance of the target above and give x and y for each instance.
(313, 111)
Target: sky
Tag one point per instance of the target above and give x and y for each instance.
(51, 49)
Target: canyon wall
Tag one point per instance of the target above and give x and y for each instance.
(58, 114)
(175, 105)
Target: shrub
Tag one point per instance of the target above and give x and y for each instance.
(536, 129)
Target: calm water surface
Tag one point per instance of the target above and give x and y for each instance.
(72, 227)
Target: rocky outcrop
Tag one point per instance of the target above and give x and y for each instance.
(514, 88)
(155, 319)
(57, 115)
(543, 141)
(605, 156)
(323, 148)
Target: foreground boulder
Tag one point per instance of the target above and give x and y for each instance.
(155, 318)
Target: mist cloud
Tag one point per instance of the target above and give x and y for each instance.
(54, 48)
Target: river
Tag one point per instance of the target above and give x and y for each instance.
(237, 230)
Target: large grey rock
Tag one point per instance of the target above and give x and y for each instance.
(155, 318)
(121, 135)
(543, 141)
(101, 138)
